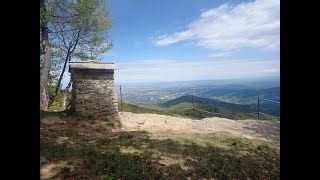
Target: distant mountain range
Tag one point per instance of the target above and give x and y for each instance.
(241, 96)
(266, 107)
(214, 102)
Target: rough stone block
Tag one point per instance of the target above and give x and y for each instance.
(83, 96)
(91, 76)
(105, 77)
(92, 107)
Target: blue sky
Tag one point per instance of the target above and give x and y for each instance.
(174, 40)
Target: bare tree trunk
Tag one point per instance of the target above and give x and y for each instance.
(59, 81)
(44, 72)
(62, 73)
(71, 48)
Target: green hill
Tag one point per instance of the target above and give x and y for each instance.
(200, 111)
(241, 96)
(213, 102)
(248, 97)
(266, 107)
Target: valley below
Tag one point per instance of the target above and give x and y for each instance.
(238, 96)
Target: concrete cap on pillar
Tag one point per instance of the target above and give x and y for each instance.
(92, 64)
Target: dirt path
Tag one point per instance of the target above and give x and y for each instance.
(252, 129)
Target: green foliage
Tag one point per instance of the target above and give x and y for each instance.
(83, 30)
(46, 12)
(180, 106)
(77, 29)
(56, 103)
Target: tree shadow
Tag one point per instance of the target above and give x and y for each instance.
(137, 155)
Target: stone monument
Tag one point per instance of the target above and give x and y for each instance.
(93, 89)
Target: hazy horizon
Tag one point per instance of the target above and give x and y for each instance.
(263, 78)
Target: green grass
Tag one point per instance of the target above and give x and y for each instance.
(138, 109)
(66, 113)
(140, 155)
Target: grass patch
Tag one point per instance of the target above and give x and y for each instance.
(236, 142)
(64, 114)
(125, 136)
(106, 177)
(52, 150)
(65, 169)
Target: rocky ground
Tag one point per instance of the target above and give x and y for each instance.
(252, 129)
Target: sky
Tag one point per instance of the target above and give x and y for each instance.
(179, 40)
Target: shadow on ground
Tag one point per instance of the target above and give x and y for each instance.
(92, 154)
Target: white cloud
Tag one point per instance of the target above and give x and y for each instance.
(156, 62)
(152, 70)
(270, 70)
(250, 24)
(175, 70)
(221, 54)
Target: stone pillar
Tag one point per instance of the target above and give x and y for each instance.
(93, 90)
